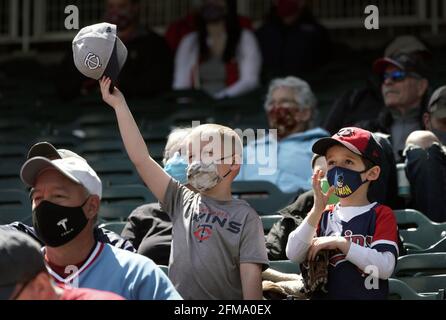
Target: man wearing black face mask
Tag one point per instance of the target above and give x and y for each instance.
(47, 150)
(149, 66)
(66, 197)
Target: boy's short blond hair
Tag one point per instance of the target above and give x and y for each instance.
(219, 135)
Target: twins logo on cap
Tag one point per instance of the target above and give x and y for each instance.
(92, 61)
(345, 132)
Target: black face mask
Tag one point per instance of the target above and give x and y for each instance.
(57, 225)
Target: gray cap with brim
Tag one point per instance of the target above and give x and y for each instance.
(98, 51)
(20, 260)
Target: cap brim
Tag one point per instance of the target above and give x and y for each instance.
(322, 145)
(43, 149)
(116, 61)
(6, 292)
(32, 168)
(380, 65)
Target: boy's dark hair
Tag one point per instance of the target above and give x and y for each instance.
(368, 164)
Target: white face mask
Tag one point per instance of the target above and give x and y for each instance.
(204, 177)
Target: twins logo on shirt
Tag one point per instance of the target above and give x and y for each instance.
(359, 239)
(208, 220)
(203, 232)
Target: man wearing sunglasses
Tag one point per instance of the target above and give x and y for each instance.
(404, 87)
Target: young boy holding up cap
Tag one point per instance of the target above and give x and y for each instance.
(218, 246)
(361, 236)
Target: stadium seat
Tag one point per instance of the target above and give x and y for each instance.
(263, 196)
(97, 119)
(269, 221)
(15, 205)
(98, 133)
(115, 171)
(119, 201)
(285, 266)
(417, 230)
(424, 272)
(10, 175)
(13, 152)
(104, 149)
(421, 264)
(62, 141)
(439, 246)
(116, 227)
(398, 290)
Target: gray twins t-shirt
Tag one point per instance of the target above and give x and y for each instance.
(210, 240)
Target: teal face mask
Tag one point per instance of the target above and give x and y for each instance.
(176, 167)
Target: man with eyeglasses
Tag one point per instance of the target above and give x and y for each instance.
(367, 106)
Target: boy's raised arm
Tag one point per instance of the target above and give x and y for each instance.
(150, 172)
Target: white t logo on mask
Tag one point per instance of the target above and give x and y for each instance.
(63, 223)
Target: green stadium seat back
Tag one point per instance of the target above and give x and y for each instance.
(15, 205)
(284, 266)
(263, 196)
(102, 149)
(439, 246)
(119, 201)
(115, 171)
(399, 290)
(425, 284)
(268, 221)
(417, 230)
(421, 264)
(13, 152)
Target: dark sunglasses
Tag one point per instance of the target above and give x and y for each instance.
(399, 75)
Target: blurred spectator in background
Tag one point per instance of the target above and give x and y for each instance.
(149, 66)
(291, 40)
(366, 103)
(435, 117)
(291, 107)
(404, 89)
(187, 24)
(148, 228)
(220, 58)
(426, 161)
(23, 275)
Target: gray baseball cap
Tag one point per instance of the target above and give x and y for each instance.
(437, 103)
(97, 51)
(20, 260)
(406, 44)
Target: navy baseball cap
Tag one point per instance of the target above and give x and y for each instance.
(20, 261)
(357, 140)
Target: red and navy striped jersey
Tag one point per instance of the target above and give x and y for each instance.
(373, 226)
